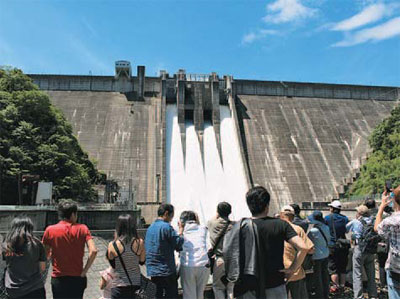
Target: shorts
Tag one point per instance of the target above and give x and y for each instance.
(338, 261)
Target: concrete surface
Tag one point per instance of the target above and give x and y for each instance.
(302, 148)
(123, 137)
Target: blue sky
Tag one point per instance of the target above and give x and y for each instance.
(333, 41)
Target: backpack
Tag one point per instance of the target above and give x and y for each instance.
(369, 238)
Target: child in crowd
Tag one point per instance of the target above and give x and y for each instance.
(106, 282)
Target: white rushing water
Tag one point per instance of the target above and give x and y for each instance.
(200, 187)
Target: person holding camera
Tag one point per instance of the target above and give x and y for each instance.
(194, 272)
(389, 229)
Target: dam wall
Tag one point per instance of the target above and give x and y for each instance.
(300, 140)
(123, 137)
(301, 149)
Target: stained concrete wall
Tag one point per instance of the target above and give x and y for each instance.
(302, 148)
(299, 139)
(124, 137)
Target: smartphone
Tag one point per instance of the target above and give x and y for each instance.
(391, 199)
(388, 185)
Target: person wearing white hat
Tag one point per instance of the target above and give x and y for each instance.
(339, 255)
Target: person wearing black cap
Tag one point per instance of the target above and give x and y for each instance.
(217, 227)
(297, 218)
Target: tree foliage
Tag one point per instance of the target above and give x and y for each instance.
(384, 162)
(35, 138)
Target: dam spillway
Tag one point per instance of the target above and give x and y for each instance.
(197, 184)
(300, 140)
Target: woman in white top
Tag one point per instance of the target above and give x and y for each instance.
(193, 258)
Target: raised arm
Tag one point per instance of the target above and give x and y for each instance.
(384, 203)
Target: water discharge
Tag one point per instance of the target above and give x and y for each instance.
(199, 185)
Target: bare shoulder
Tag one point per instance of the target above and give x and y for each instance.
(138, 245)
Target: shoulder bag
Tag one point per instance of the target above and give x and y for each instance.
(211, 251)
(340, 243)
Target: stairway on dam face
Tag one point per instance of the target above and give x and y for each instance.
(125, 140)
(302, 148)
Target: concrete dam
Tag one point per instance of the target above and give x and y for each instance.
(194, 140)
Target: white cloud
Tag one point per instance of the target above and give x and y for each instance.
(381, 32)
(283, 11)
(370, 14)
(259, 34)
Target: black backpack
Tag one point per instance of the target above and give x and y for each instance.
(369, 238)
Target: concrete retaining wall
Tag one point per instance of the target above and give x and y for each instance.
(42, 217)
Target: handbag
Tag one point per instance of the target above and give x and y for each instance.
(211, 251)
(308, 263)
(382, 248)
(147, 289)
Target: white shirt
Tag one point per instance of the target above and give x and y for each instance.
(194, 251)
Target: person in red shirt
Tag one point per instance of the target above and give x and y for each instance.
(65, 243)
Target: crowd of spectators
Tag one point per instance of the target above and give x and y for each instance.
(285, 256)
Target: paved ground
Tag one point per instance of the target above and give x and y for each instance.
(93, 290)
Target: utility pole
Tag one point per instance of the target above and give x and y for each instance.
(19, 177)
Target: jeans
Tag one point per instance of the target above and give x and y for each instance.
(321, 278)
(219, 288)
(297, 289)
(193, 281)
(366, 260)
(71, 287)
(167, 286)
(278, 292)
(393, 285)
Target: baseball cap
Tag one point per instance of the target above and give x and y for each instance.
(316, 215)
(362, 210)
(287, 210)
(335, 204)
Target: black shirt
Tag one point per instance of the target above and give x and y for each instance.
(272, 233)
(301, 222)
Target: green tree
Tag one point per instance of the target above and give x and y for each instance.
(384, 162)
(35, 138)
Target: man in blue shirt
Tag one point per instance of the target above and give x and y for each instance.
(338, 257)
(161, 241)
(360, 258)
